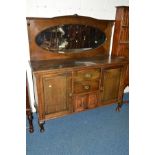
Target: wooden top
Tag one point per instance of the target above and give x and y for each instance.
(37, 25)
(48, 65)
(122, 6)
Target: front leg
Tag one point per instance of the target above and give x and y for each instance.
(119, 105)
(41, 125)
(30, 119)
(121, 90)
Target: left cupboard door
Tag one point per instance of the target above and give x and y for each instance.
(57, 94)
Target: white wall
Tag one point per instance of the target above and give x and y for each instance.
(104, 9)
(101, 9)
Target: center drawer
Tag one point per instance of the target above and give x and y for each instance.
(88, 74)
(86, 86)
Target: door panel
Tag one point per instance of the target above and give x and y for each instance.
(56, 90)
(92, 100)
(87, 101)
(80, 102)
(111, 82)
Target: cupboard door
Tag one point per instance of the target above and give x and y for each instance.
(56, 93)
(111, 83)
(87, 101)
(92, 100)
(80, 102)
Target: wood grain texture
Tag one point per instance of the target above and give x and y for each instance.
(66, 90)
(111, 81)
(121, 36)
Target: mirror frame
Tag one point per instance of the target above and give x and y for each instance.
(37, 25)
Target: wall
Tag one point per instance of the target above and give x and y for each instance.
(101, 9)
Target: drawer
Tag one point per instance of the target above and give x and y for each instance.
(89, 74)
(86, 86)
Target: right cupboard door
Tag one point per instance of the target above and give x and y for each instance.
(110, 83)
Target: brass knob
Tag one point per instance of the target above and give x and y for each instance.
(88, 75)
(86, 87)
(70, 94)
(50, 86)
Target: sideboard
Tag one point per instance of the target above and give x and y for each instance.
(71, 66)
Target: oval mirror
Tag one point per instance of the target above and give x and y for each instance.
(70, 38)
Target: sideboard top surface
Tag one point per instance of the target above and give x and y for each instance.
(47, 65)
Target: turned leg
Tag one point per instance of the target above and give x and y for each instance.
(30, 119)
(119, 105)
(41, 125)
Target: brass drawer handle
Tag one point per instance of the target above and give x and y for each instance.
(86, 87)
(88, 75)
(70, 94)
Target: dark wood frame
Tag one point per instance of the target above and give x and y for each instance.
(36, 25)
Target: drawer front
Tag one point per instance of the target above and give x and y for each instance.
(86, 86)
(89, 74)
